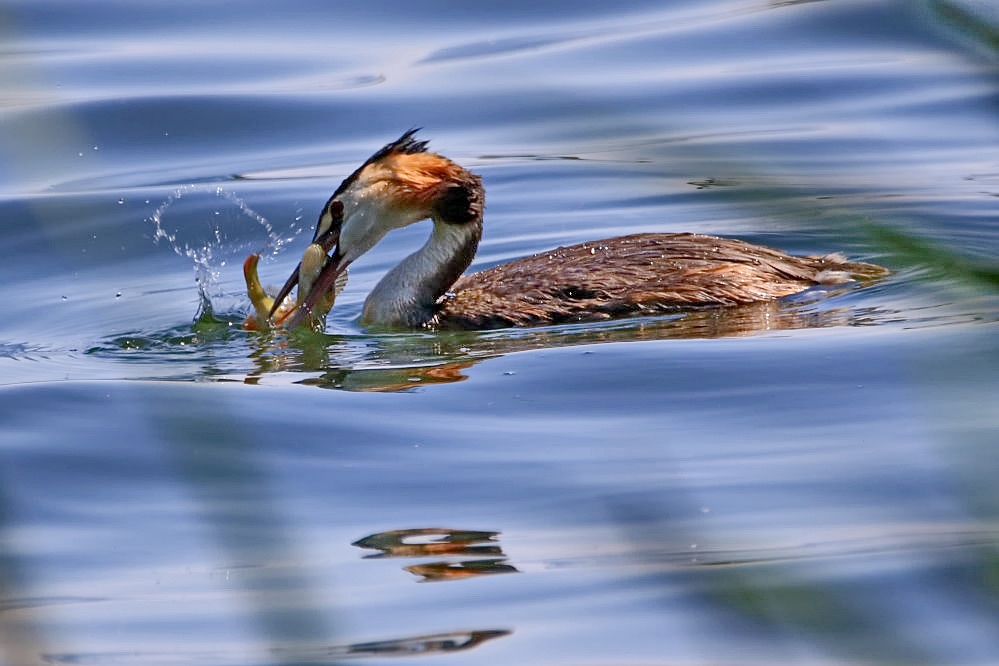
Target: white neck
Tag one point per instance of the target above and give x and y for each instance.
(408, 294)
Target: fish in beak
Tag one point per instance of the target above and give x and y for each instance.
(325, 239)
(395, 187)
(316, 292)
(270, 312)
(320, 278)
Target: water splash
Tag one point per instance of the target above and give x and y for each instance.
(213, 243)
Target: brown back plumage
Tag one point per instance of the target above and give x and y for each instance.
(641, 273)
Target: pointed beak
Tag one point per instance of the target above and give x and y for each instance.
(324, 283)
(327, 236)
(327, 241)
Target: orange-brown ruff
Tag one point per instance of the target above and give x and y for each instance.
(639, 274)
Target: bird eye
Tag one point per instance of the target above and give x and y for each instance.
(336, 212)
(330, 221)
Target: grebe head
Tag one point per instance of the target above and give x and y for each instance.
(399, 185)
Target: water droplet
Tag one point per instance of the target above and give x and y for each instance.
(212, 246)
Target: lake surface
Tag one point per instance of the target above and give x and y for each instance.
(808, 481)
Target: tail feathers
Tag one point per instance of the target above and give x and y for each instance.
(836, 269)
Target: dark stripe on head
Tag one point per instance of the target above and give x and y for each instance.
(330, 220)
(407, 144)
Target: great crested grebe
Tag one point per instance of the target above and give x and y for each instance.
(647, 273)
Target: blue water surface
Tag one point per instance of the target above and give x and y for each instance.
(807, 481)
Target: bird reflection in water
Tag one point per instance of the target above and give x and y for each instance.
(414, 646)
(457, 570)
(385, 363)
(410, 646)
(437, 542)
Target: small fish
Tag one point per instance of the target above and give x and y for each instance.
(313, 260)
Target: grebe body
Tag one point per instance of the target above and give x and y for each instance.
(640, 274)
(403, 183)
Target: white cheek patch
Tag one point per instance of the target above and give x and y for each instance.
(369, 214)
(325, 223)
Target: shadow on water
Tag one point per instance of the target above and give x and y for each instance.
(218, 347)
(223, 466)
(410, 646)
(215, 345)
(786, 595)
(963, 20)
(22, 637)
(411, 360)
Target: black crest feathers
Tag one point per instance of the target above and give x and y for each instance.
(406, 144)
